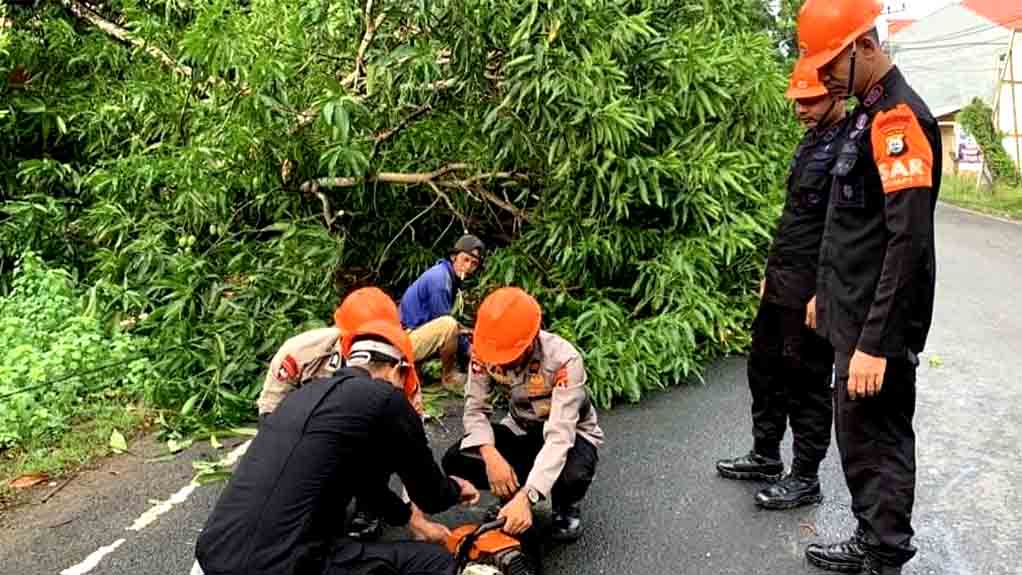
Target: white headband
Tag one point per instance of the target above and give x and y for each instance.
(362, 352)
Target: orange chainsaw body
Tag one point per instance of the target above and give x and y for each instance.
(488, 544)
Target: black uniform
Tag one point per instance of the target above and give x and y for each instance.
(789, 365)
(875, 294)
(283, 511)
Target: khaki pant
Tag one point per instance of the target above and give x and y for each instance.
(438, 337)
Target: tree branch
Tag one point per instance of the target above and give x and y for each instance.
(408, 224)
(432, 179)
(328, 212)
(380, 138)
(84, 12)
(450, 205)
(351, 80)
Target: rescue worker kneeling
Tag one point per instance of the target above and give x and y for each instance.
(547, 446)
(283, 509)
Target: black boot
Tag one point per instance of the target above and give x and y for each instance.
(365, 525)
(790, 492)
(844, 557)
(567, 525)
(751, 466)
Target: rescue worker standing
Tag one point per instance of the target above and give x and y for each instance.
(547, 446)
(282, 511)
(427, 307)
(876, 281)
(789, 365)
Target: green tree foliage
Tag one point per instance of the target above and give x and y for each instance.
(231, 168)
(977, 119)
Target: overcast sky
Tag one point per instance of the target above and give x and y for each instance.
(916, 8)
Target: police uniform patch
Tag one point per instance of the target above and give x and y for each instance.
(561, 378)
(895, 144)
(874, 95)
(288, 370)
(901, 150)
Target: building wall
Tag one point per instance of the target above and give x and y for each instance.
(949, 144)
(1008, 112)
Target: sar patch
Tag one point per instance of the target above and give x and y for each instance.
(901, 150)
(288, 370)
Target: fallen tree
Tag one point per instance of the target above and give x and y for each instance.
(231, 168)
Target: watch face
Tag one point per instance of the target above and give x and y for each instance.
(533, 496)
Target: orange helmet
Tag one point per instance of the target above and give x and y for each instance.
(506, 324)
(362, 305)
(826, 27)
(400, 348)
(805, 83)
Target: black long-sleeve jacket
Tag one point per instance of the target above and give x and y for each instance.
(795, 252)
(284, 508)
(876, 280)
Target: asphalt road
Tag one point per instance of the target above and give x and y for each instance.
(657, 506)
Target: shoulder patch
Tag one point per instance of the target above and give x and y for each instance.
(902, 153)
(288, 370)
(561, 377)
(335, 361)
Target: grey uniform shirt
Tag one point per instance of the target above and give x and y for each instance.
(548, 393)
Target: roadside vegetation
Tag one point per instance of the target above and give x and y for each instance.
(1001, 199)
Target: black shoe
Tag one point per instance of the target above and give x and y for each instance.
(873, 567)
(751, 466)
(365, 526)
(567, 525)
(844, 557)
(790, 492)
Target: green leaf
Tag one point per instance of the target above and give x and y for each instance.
(213, 442)
(117, 442)
(176, 446)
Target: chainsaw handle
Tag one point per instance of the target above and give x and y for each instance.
(461, 557)
(491, 526)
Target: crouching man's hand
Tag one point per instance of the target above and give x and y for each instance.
(469, 494)
(518, 514)
(425, 530)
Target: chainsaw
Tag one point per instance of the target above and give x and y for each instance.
(485, 550)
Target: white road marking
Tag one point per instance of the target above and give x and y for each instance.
(162, 507)
(182, 494)
(151, 515)
(92, 560)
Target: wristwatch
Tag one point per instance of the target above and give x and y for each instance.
(533, 495)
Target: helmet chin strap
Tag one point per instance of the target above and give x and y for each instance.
(851, 73)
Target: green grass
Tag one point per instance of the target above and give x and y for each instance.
(1001, 200)
(87, 440)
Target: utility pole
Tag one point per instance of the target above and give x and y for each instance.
(1014, 103)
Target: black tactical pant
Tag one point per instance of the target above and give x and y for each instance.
(400, 558)
(790, 370)
(877, 445)
(520, 453)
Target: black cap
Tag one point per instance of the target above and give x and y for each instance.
(468, 244)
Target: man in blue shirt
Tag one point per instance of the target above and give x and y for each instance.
(427, 306)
